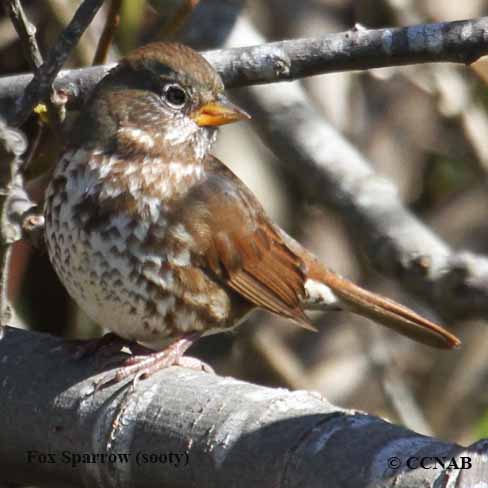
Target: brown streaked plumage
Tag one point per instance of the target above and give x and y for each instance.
(159, 241)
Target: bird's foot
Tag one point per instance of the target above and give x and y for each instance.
(144, 365)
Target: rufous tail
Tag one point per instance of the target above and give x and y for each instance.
(383, 310)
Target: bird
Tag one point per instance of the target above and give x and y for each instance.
(160, 242)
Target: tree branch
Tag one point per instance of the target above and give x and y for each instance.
(26, 32)
(226, 432)
(359, 48)
(38, 88)
(111, 23)
(32, 53)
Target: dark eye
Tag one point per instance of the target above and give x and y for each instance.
(174, 95)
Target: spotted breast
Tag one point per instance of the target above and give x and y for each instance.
(107, 224)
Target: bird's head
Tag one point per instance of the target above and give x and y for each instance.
(162, 90)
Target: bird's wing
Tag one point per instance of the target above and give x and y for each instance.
(240, 246)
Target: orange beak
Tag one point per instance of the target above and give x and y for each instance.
(219, 112)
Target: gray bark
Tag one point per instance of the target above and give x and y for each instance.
(227, 433)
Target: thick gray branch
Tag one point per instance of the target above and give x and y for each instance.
(359, 48)
(227, 433)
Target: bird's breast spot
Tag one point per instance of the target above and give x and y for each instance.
(188, 321)
(180, 233)
(155, 276)
(176, 136)
(141, 229)
(153, 207)
(219, 304)
(137, 137)
(165, 306)
(180, 259)
(185, 169)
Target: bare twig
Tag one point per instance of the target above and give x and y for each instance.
(60, 12)
(457, 42)
(26, 31)
(225, 432)
(40, 85)
(5, 308)
(111, 24)
(34, 146)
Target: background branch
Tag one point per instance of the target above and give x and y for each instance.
(26, 31)
(38, 88)
(111, 23)
(234, 433)
(358, 48)
(27, 35)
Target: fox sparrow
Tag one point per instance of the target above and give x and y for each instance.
(158, 241)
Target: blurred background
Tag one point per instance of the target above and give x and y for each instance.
(424, 127)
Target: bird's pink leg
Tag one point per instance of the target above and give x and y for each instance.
(143, 366)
